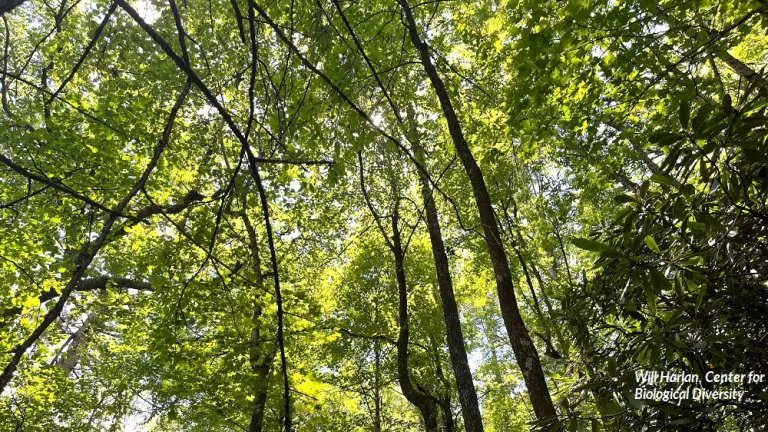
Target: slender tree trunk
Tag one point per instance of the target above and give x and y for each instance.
(261, 354)
(376, 387)
(260, 396)
(522, 345)
(262, 358)
(470, 409)
(448, 424)
(420, 400)
(444, 400)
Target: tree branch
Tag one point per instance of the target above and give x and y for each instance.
(86, 285)
(57, 185)
(85, 54)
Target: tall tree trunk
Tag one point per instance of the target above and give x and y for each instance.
(448, 424)
(444, 400)
(261, 358)
(426, 405)
(260, 396)
(376, 387)
(419, 399)
(470, 409)
(262, 355)
(522, 345)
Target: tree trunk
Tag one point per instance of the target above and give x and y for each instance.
(376, 387)
(743, 70)
(420, 400)
(470, 409)
(444, 400)
(261, 359)
(261, 356)
(448, 424)
(259, 405)
(525, 351)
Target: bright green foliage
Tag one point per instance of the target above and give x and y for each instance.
(623, 144)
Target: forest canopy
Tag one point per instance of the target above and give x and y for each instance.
(357, 215)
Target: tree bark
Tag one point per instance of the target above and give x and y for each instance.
(420, 400)
(470, 409)
(376, 387)
(444, 400)
(261, 357)
(71, 357)
(743, 70)
(426, 405)
(522, 345)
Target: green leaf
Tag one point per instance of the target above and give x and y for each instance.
(688, 190)
(661, 179)
(678, 287)
(31, 302)
(652, 244)
(679, 209)
(660, 281)
(664, 138)
(669, 409)
(624, 198)
(734, 187)
(637, 403)
(590, 245)
(727, 102)
(650, 295)
(756, 105)
(701, 117)
(700, 296)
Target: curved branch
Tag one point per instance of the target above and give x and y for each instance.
(85, 54)
(57, 185)
(100, 283)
